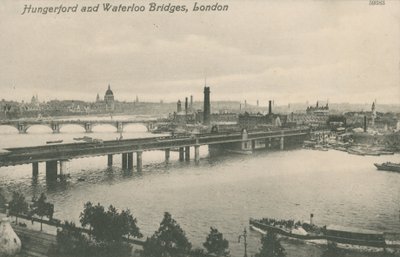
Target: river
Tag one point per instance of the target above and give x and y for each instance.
(222, 191)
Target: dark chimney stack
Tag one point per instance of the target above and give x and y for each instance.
(207, 107)
(270, 107)
(186, 105)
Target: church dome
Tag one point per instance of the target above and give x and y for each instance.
(109, 92)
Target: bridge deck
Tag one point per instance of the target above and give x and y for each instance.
(25, 155)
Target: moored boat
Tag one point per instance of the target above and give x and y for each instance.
(54, 142)
(388, 166)
(342, 237)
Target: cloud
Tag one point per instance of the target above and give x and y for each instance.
(288, 50)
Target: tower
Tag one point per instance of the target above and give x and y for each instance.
(207, 107)
(373, 113)
(178, 106)
(109, 99)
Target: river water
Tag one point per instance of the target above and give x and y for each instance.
(222, 191)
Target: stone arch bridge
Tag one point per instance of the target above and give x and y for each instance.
(55, 125)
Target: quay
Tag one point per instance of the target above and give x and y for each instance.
(55, 155)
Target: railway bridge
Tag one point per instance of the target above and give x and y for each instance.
(55, 155)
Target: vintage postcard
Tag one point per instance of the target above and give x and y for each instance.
(160, 128)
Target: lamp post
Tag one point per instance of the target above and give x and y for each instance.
(244, 236)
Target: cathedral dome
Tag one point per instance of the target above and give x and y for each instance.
(109, 92)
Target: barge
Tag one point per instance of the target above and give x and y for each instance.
(388, 166)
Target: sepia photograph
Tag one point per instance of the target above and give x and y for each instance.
(208, 128)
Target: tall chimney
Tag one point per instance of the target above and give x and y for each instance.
(207, 107)
(191, 102)
(186, 105)
(270, 107)
(178, 106)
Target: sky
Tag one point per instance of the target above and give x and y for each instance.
(289, 51)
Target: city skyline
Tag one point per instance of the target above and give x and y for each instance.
(291, 52)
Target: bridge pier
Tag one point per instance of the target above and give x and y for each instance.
(88, 127)
(21, 128)
(51, 170)
(130, 161)
(181, 153)
(62, 167)
(167, 154)
(197, 153)
(120, 127)
(55, 127)
(139, 161)
(124, 160)
(109, 160)
(187, 153)
(149, 126)
(35, 169)
(282, 143)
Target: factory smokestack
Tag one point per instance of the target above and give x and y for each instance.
(186, 105)
(191, 102)
(270, 107)
(207, 107)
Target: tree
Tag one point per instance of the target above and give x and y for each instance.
(17, 205)
(41, 208)
(3, 199)
(271, 247)
(71, 241)
(109, 225)
(86, 216)
(168, 241)
(216, 244)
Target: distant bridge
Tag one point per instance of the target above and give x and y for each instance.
(56, 125)
(239, 141)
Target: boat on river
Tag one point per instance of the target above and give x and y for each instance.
(388, 166)
(54, 142)
(342, 237)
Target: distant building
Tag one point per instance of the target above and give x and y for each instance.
(318, 110)
(255, 120)
(109, 99)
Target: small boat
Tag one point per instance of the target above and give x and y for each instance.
(388, 166)
(386, 153)
(355, 152)
(54, 142)
(79, 138)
